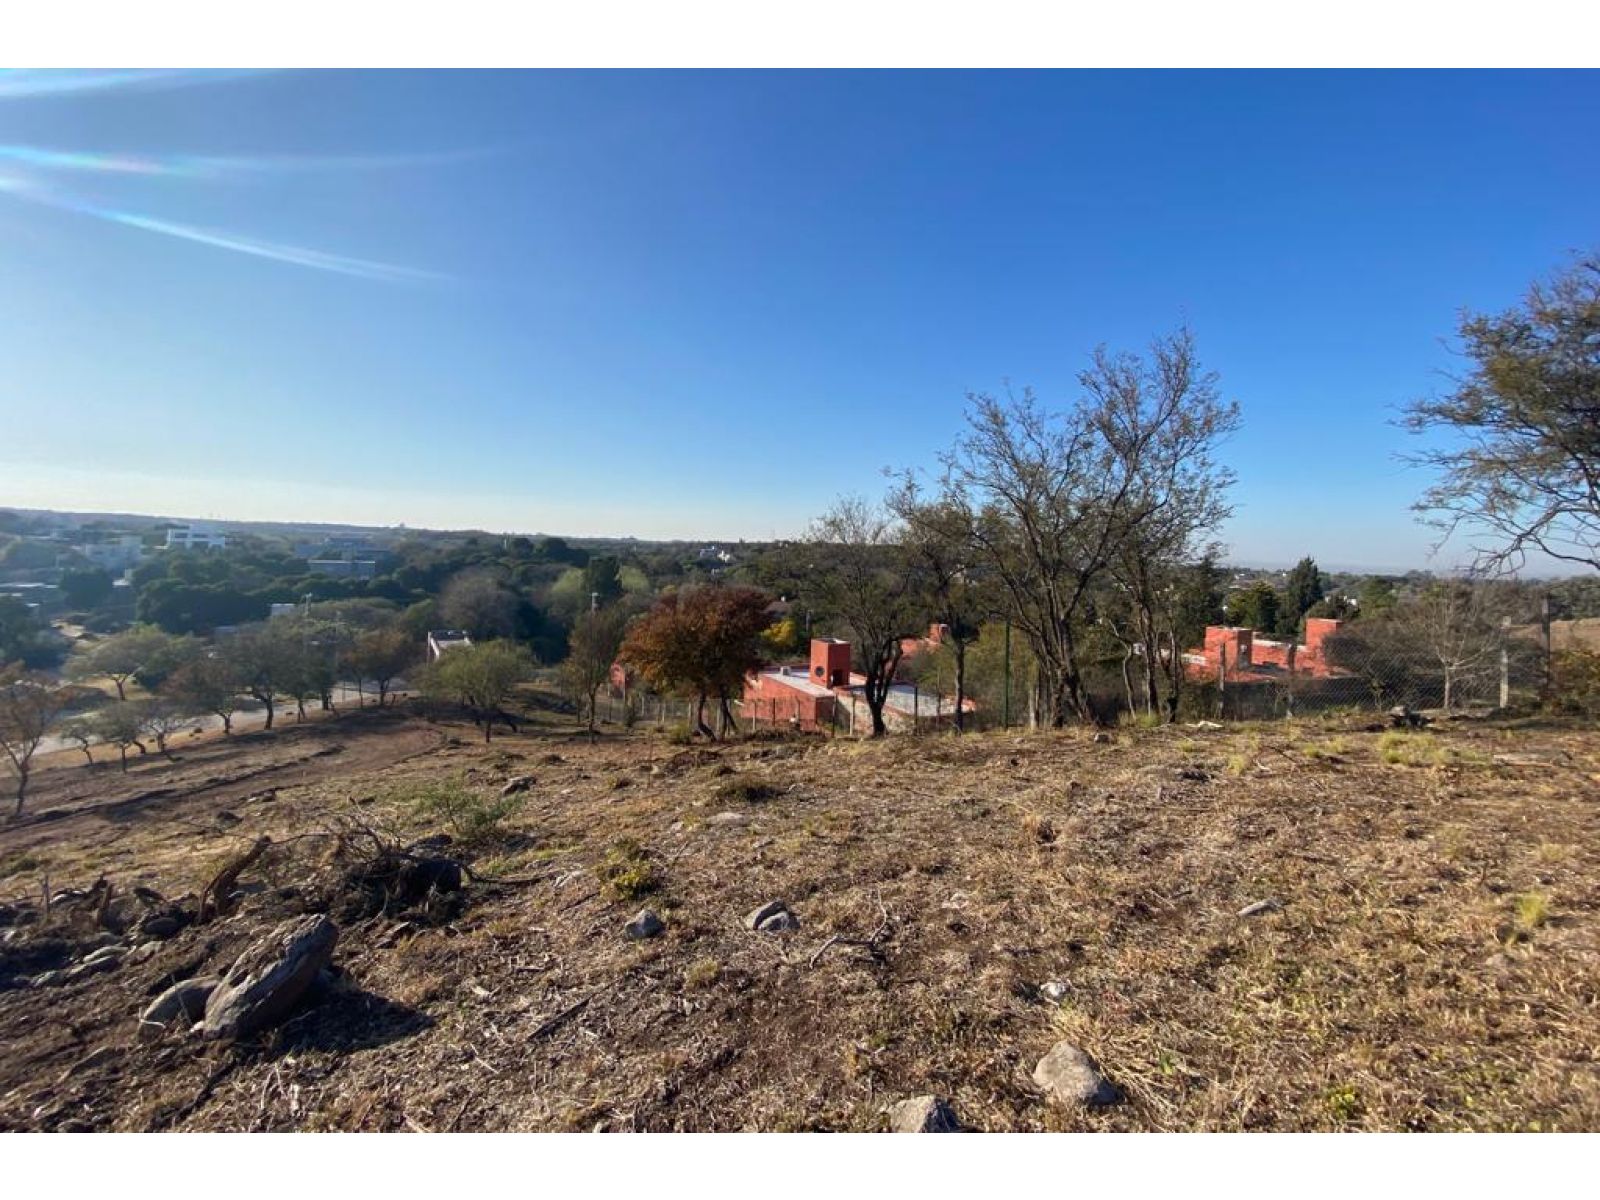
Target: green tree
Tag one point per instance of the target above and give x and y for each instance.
(1257, 607)
(1302, 590)
(594, 644)
(141, 652)
(86, 590)
(481, 678)
(602, 579)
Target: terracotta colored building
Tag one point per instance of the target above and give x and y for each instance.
(825, 694)
(1247, 655)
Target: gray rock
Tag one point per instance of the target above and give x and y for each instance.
(519, 783)
(186, 999)
(1070, 1076)
(772, 917)
(729, 818)
(105, 952)
(645, 925)
(270, 977)
(1055, 990)
(923, 1114)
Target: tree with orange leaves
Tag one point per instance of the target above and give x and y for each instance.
(700, 644)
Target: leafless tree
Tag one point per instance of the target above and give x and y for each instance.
(30, 705)
(867, 582)
(1060, 500)
(1518, 459)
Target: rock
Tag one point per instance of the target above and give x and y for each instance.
(103, 953)
(923, 1114)
(186, 999)
(645, 925)
(1055, 990)
(518, 783)
(1271, 904)
(50, 979)
(270, 977)
(1102, 738)
(1070, 1076)
(729, 818)
(772, 917)
(160, 925)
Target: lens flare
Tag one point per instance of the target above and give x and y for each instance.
(22, 83)
(299, 256)
(214, 167)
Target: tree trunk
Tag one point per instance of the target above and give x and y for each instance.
(700, 718)
(123, 750)
(961, 686)
(271, 709)
(22, 788)
(227, 724)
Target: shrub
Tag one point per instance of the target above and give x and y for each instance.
(473, 818)
(1575, 681)
(627, 872)
(746, 791)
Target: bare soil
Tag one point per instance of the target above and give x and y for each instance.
(1429, 958)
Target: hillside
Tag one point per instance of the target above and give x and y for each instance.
(1421, 951)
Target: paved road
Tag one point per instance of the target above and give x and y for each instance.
(252, 717)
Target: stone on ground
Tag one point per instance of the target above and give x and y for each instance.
(923, 1114)
(186, 999)
(1070, 1076)
(270, 977)
(644, 925)
(772, 917)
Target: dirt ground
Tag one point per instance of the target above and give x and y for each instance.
(1428, 958)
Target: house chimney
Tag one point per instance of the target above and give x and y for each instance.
(830, 662)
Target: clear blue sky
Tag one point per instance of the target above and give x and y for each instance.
(671, 304)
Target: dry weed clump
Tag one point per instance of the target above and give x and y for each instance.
(627, 872)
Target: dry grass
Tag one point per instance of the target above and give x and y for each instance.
(1418, 973)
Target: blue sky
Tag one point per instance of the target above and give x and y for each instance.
(682, 304)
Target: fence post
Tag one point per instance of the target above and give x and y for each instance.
(1505, 663)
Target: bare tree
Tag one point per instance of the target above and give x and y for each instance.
(1060, 499)
(30, 705)
(1519, 464)
(938, 541)
(868, 582)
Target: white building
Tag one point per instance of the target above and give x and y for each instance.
(114, 554)
(196, 537)
(440, 640)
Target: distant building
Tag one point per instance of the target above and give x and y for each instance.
(114, 554)
(338, 546)
(343, 568)
(1247, 656)
(282, 610)
(440, 640)
(196, 537)
(825, 694)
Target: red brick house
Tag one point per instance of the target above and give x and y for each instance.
(1248, 656)
(825, 694)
